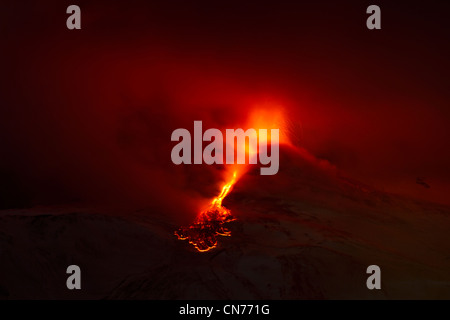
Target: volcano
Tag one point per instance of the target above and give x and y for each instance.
(308, 232)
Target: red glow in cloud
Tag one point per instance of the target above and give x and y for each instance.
(88, 117)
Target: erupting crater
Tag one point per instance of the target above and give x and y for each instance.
(244, 146)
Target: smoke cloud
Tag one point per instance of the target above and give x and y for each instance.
(87, 115)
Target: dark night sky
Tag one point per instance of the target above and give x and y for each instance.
(87, 114)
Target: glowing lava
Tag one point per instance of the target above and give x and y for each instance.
(203, 233)
(209, 224)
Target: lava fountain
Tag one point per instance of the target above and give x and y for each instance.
(203, 233)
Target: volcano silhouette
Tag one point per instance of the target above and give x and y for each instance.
(308, 232)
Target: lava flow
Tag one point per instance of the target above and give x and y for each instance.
(209, 224)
